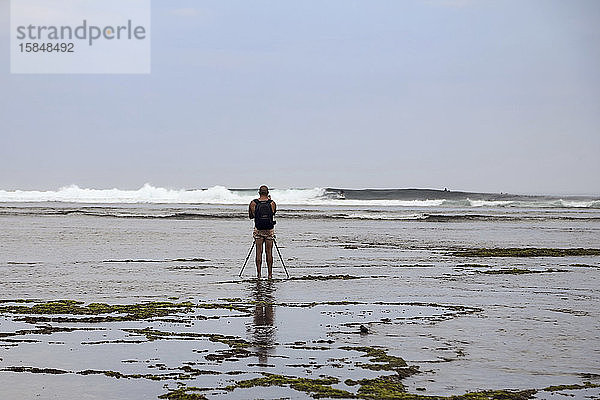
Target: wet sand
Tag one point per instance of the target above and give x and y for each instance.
(138, 308)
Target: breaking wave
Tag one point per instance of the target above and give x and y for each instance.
(157, 195)
(416, 198)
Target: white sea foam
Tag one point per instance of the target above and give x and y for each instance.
(213, 195)
(579, 204)
(559, 203)
(382, 203)
(151, 194)
(490, 203)
(386, 216)
(222, 195)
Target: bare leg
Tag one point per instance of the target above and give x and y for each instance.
(269, 251)
(259, 250)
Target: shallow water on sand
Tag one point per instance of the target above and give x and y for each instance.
(465, 328)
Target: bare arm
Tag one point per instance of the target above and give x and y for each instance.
(251, 209)
(273, 207)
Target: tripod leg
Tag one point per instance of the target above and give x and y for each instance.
(281, 258)
(247, 257)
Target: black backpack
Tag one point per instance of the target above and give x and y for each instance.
(263, 214)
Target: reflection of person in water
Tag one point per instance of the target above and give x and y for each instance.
(262, 329)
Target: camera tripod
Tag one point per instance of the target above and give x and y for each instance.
(278, 252)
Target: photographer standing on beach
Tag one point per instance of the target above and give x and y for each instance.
(262, 211)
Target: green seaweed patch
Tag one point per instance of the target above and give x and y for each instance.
(35, 370)
(585, 266)
(188, 267)
(232, 354)
(324, 277)
(237, 346)
(497, 395)
(382, 387)
(231, 306)
(158, 261)
(55, 311)
(119, 375)
(324, 303)
(232, 299)
(328, 341)
(310, 347)
(453, 307)
(45, 330)
(182, 394)
(152, 334)
(189, 373)
(585, 385)
(17, 301)
(387, 387)
(130, 312)
(21, 263)
(20, 341)
(39, 319)
(381, 361)
(474, 266)
(112, 342)
(577, 313)
(230, 341)
(520, 271)
(410, 266)
(526, 252)
(316, 388)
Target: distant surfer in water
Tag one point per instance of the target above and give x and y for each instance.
(262, 211)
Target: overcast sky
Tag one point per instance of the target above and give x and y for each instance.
(469, 95)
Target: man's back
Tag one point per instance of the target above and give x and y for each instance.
(262, 211)
(263, 214)
(261, 201)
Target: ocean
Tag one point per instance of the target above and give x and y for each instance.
(136, 294)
